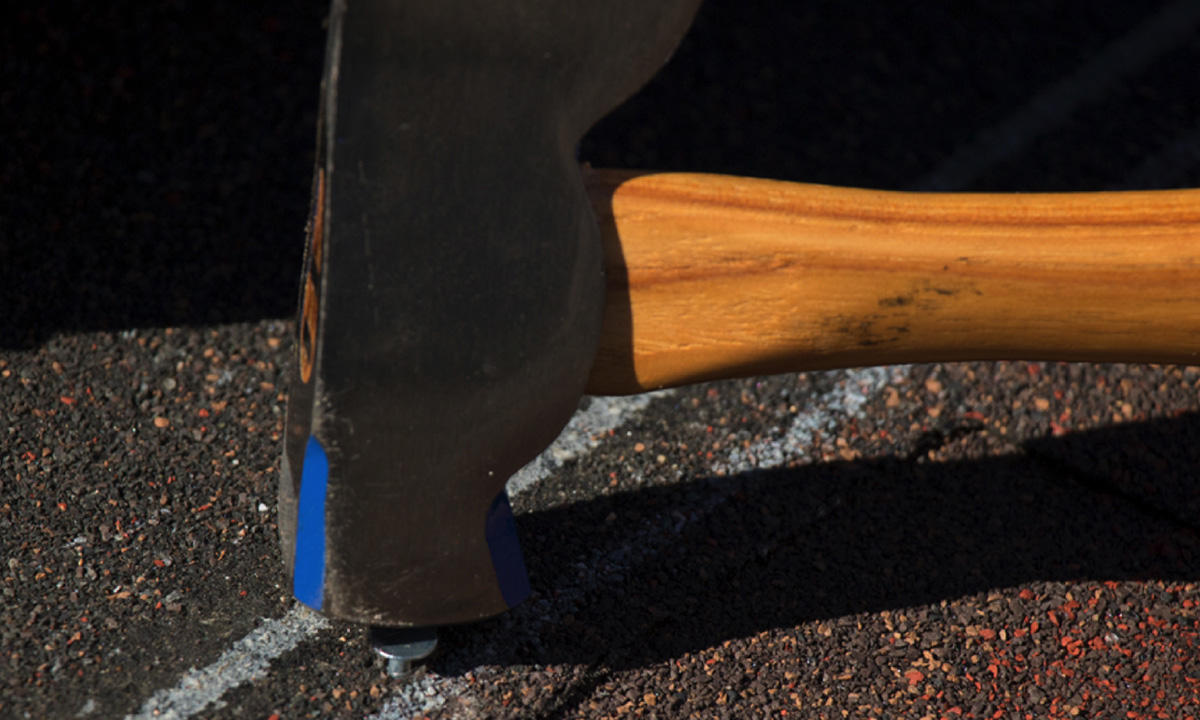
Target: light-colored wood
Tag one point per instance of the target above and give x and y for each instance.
(714, 277)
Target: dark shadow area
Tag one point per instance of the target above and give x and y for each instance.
(155, 163)
(155, 160)
(831, 540)
(615, 356)
(878, 94)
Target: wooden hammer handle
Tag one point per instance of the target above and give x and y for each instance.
(714, 277)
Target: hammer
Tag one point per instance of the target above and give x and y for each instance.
(465, 284)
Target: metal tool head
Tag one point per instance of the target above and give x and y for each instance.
(452, 292)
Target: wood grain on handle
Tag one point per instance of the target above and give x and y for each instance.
(714, 277)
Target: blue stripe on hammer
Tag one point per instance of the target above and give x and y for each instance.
(308, 580)
(506, 551)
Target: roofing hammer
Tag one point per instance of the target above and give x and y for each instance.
(465, 284)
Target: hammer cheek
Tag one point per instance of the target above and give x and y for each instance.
(457, 290)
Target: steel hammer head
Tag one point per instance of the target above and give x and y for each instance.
(452, 290)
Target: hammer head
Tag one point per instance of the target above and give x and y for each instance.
(452, 290)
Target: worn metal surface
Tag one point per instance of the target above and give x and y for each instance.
(454, 289)
(402, 647)
(156, 163)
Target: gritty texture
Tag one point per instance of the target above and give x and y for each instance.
(136, 506)
(962, 540)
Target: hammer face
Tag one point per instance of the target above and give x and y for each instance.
(452, 291)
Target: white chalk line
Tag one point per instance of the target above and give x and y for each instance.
(250, 657)
(247, 660)
(1046, 111)
(845, 401)
(583, 434)
(1173, 25)
(607, 567)
(601, 568)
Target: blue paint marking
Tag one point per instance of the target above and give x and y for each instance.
(506, 551)
(308, 580)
